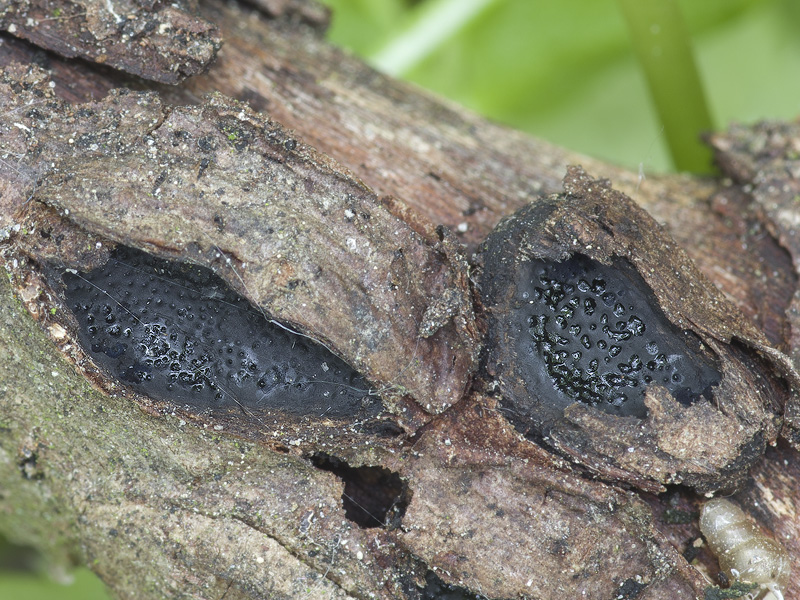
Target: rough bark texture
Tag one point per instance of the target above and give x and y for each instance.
(160, 41)
(323, 210)
(294, 230)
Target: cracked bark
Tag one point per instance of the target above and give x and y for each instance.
(160, 501)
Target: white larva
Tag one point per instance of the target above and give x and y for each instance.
(744, 552)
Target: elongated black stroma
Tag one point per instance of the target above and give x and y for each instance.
(177, 332)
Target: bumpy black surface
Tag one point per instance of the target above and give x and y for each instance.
(176, 332)
(436, 589)
(595, 334)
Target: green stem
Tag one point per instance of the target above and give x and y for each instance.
(664, 50)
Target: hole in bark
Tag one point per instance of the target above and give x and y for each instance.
(436, 589)
(177, 332)
(373, 496)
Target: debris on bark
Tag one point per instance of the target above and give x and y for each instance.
(164, 42)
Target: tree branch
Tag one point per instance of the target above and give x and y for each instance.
(165, 499)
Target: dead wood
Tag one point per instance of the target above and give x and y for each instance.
(316, 188)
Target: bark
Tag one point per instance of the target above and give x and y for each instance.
(316, 188)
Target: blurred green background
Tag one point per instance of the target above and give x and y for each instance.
(563, 70)
(23, 576)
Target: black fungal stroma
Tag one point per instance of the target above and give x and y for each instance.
(593, 337)
(176, 332)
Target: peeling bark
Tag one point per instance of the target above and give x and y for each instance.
(706, 437)
(323, 210)
(164, 42)
(764, 161)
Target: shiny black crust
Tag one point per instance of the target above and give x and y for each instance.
(176, 332)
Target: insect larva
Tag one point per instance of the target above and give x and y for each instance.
(744, 552)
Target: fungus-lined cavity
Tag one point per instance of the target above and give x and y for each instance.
(177, 332)
(436, 589)
(593, 333)
(605, 342)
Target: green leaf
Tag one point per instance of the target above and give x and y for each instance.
(565, 70)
